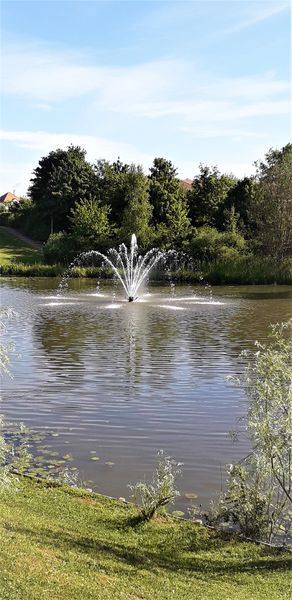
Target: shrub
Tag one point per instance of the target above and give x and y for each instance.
(245, 506)
(161, 490)
(258, 500)
(209, 244)
(60, 248)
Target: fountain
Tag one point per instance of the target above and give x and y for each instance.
(129, 266)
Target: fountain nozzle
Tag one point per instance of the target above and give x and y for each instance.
(131, 298)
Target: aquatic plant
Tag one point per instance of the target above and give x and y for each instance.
(161, 489)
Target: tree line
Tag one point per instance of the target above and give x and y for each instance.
(75, 206)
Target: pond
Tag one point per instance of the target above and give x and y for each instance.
(111, 382)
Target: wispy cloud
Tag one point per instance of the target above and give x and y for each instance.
(159, 89)
(258, 12)
(55, 76)
(96, 147)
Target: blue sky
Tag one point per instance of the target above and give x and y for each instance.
(193, 81)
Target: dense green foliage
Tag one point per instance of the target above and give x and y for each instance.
(208, 196)
(60, 180)
(76, 206)
(66, 543)
(137, 211)
(272, 209)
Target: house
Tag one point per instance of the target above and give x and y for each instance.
(8, 197)
(186, 183)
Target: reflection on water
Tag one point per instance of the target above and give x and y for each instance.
(124, 380)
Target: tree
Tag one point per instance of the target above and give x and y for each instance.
(60, 180)
(162, 170)
(207, 196)
(241, 197)
(258, 499)
(111, 184)
(272, 207)
(176, 229)
(138, 211)
(165, 188)
(90, 223)
(231, 219)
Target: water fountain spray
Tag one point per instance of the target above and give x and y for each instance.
(128, 265)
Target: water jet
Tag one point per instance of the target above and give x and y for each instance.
(130, 267)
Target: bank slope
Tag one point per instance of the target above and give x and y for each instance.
(62, 544)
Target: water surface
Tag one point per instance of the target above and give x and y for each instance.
(118, 381)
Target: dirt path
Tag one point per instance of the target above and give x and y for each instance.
(24, 238)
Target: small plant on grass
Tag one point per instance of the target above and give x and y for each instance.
(161, 490)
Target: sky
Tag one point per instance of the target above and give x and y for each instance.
(194, 81)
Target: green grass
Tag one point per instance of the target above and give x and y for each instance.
(34, 270)
(57, 544)
(13, 250)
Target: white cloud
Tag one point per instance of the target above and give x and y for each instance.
(43, 106)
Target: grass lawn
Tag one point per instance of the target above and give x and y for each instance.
(13, 250)
(57, 543)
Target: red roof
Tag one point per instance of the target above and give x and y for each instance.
(8, 197)
(186, 183)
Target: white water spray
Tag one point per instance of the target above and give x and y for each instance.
(129, 266)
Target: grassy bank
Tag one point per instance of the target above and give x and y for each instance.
(14, 251)
(67, 544)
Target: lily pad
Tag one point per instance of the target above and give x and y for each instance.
(67, 457)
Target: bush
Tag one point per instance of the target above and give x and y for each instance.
(245, 506)
(258, 500)
(60, 248)
(210, 245)
(160, 491)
